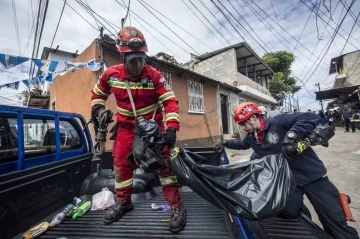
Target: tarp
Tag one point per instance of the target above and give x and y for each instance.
(254, 190)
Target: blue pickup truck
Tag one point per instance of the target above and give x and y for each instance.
(46, 160)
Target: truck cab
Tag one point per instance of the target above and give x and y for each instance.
(46, 160)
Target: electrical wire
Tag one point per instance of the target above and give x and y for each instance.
(245, 30)
(350, 33)
(329, 24)
(297, 42)
(91, 12)
(316, 18)
(16, 26)
(141, 2)
(96, 21)
(277, 36)
(62, 11)
(210, 22)
(317, 44)
(80, 15)
(214, 68)
(351, 12)
(205, 25)
(332, 40)
(123, 20)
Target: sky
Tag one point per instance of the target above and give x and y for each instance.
(278, 24)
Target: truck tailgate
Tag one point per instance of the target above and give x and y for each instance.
(203, 221)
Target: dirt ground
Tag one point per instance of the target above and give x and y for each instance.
(342, 160)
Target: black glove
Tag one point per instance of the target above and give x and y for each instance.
(221, 146)
(170, 137)
(94, 114)
(289, 145)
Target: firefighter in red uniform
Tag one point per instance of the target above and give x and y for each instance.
(148, 88)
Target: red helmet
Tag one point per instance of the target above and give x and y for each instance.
(245, 110)
(131, 39)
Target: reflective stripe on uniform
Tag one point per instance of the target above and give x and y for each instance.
(171, 116)
(174, 152)
(123, 184)
(97, 102)
(168, 180)
(166, 96)
(118, 83)
(99, 92)
(142, 111)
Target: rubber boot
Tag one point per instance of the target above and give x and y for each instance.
(117, 211)
(178, 219)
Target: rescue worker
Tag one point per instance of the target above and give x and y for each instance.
(148, 88)
(280, 134)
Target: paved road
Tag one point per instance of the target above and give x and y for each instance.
(342, 159)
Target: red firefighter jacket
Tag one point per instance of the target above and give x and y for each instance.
(146, 96)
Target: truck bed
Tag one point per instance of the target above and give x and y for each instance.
(203, 221)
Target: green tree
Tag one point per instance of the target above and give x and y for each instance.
(282, 82)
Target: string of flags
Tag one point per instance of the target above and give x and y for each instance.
(47, 67)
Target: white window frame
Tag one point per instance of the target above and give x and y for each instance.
(196, 96)
(166, 74)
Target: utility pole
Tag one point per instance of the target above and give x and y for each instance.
(322, 107)
(298, 104)
(290, 103)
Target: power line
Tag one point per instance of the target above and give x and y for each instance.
(317, 44)
(209, 20)
(351, 13)
(283, 29)
(62, 11)
(89, 10)
(248, 25)
(123, 20)
(16, 26)
(276, 35)
(297, 42)
(215, 67)
(141, 2)
(350, 33)
(329, 24)
(206, 26)
(81, 16)
(332, 39)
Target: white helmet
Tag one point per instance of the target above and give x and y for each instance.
(263, 110)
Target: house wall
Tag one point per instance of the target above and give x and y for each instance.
(221, 67)
(71, 92)
(351, 64)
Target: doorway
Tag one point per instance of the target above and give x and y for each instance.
(224, 113)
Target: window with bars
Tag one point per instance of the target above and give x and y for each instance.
(166, 74)
(196, 96)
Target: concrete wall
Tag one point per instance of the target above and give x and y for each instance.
(351, 65)
(221, 67)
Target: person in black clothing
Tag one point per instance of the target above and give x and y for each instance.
(322, 117)
(279, 135)
(330, 118)
(347, 116)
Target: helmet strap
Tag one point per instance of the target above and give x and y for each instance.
(256, 129)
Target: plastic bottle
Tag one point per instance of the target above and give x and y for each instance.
(58, 218)
(156, 207)
(223, 157)
(83, 208)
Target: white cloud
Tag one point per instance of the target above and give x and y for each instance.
(76, 34)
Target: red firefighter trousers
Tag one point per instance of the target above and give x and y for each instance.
(124, 170)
